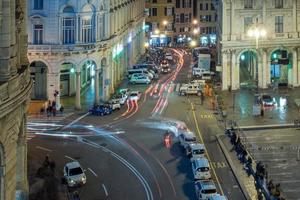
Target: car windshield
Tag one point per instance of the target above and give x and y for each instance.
(75, 171)
(267, 97)
(203, 169)
(133, 95)
(209, 191)
(164, 62)
(198, 151)
(193, 139)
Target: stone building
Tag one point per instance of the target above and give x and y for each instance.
(183, 25)
(160, 21)
(206, 15)
(70, 42)
(259, 43)
(15, 86)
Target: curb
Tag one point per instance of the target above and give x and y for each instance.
(234, 170)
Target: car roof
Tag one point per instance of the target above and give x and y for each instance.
(218, 197)
(197, 146)
(201, 162)
(134, 92)
(73, 164)
(205, 184)
(188, 134)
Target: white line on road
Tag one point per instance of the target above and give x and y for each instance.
(43, 148)
(93, 172)
(105, 190)
(70, 158)
(76, 120)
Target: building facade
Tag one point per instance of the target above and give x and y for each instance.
(183, 25)
(205, 13)
(261, 39)
(160, 21)
(70, 42)
(15, 86)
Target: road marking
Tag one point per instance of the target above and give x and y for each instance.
(202, 141)
(206, 116)
(218, 165)
(76, 120)
(43, 148)
(70, 158)
(105, 190)
(92, 172)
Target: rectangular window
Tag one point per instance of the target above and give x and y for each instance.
(247, 23)
(169, 1)
(154, 1)
(87, 34)
(248, 4)
(186, 18)
(169, 12)
(278, 3)
(177, 3)
(209, 18)
(68, 30)
(206, 6)
(38, 4)
(201, 6)
(181, 18)
(154, 11)
(190, 3)
(38, 34)
(212, 7)
(278, 24)
(177, 18)
(183, 3)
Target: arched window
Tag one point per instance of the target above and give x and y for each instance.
(87, 25)
(68, 25)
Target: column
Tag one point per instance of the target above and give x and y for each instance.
(268, 71)
(265, 69)
(295, 68)
(295, 28)
(233, 81)
(78, 87)
(259, 72)
(224, 71)
(97, 98)
(105, 83)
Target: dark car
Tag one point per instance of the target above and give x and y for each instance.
(100, 110)
(165, 67)
(267, 100)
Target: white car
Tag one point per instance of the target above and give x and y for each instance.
(135, 95)
(139, 79)
(205, 189)
(186, 138)
(121, 98)
(74, 174)
(195, 150)
(114, 104)
(201, 169)
(217, 197)
(168, 56)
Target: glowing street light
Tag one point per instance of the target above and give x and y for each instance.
(195, 31)
(146, 44)
(165, 22)
(193, 43)
(257, 33)
(156, 31)
(195, 22)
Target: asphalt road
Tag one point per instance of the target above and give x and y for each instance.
(123, 154)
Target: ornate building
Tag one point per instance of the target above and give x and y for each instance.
(72, 41)
(15, 86)
(261, 39)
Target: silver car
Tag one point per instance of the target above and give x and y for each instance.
(139, 79)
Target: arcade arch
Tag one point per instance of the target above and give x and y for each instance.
(280, 66)
(38, 73)
(248, 69)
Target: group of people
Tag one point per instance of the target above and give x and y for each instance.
(51, 109)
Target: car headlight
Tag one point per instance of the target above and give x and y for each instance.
(71, 181)
(83, 179)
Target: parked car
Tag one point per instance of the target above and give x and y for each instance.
(135, 95)
(139, 78)
(168, 56)
(201, 169)
(205, 189)
(100, 110)
(114, 104)
(267, 100)
(74, 174)
(217, 197)
(186, 138)
(195, 150)
(121, 98)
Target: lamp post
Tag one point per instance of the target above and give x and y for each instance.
(165, 23)
(256, 32)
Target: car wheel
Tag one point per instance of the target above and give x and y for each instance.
(101, 114)
(133, 82)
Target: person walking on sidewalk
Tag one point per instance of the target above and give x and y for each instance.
(201, 97)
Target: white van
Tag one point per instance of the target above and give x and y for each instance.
(195, 150)
(201, 169)
(205, 189)
(139, 71)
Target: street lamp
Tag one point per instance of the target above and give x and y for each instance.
(195, 31)
(193, 43)
(195, 22)
(156, 31)
(257, 32)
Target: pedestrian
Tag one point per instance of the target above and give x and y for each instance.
(52, 165)
(201, 97)
(61, 109)
(46, 161)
